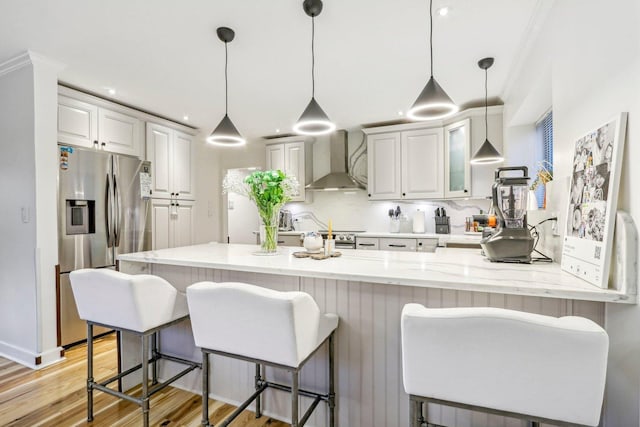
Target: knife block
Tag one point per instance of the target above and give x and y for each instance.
(442, 224)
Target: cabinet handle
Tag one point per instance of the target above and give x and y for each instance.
(397, 246)
(281, 241)
(404, 194)
(177, 194)
(177, 204)
(366, 244)
(369, 195)
(95, 142)
(466, 191)
(173, 194)
(103, 144)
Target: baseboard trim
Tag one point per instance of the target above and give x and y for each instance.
(28, 358)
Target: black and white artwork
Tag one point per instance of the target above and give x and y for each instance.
(595, 176)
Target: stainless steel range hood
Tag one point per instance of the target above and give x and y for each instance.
(338, 177)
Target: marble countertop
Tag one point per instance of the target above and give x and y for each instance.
(456, 269)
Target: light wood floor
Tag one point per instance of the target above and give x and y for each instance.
(56, 396)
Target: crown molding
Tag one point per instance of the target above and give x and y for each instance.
(27, 58)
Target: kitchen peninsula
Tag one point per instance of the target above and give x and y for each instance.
(367, 289)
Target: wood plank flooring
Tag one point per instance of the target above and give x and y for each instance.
(56, 396)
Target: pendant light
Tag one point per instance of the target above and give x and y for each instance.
(487, 153)
(226, 134)
(313, 121)
(433, 102)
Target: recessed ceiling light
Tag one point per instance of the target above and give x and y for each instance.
(443, 11)
(400, 113)
(185, 118)
(277, 130)
(112, 92)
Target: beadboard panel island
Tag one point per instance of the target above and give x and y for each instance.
(367, 289)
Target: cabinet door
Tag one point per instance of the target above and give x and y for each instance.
(161, 227)
(294, 165)
(183, 224)
(457, 170)
(393, 244)
(159, 139)
(183, 170)
(367, 243)
(119, 133)
(422, 164)
(275, 157)
(77, 122)
(383, 157)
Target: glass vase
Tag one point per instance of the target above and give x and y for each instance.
(269, 238)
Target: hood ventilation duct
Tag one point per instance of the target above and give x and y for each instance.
(338, 177)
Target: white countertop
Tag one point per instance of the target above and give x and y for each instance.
(458, 269)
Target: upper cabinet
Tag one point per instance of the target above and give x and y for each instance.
(172, 164)
(430, 160)
(87, 125)
(457, 170)
(406, 165)
(291, 156)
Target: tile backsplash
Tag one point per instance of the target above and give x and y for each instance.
(352, 210)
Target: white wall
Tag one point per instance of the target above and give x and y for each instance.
(590, 52)
(28, 249)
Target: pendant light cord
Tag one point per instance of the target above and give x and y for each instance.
(313, 57)
(431, 33)
(486, 91)
(226, 82)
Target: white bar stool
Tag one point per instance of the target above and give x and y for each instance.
(265, 327)
(141, 305)
(533, 367)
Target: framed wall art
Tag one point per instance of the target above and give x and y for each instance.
(593, 199)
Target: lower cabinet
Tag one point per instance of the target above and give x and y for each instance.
(290, 240)
(397, 244)
(172, 223)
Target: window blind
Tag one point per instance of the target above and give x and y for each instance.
(545, 129)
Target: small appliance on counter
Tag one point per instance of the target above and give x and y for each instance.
(442, 221)
(512, 241)
(285, 220)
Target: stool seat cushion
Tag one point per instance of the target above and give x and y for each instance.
(134, 302)
(258, 323)
(507, 360)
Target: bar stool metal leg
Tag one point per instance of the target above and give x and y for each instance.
(145, 381)
(258, 384)
(89, 372)
(154, 355)
(332, 393)
(205, 388)
(294, 398)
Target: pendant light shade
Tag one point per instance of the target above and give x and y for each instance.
(487, 153)
(313, 121)
(226, 134)
(433, 102)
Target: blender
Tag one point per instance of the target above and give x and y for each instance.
(512, 241)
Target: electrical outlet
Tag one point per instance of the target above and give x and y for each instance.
(555, 228)
(25, 214)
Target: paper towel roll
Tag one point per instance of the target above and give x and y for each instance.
(418, 221)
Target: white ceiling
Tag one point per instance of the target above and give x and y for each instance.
(372, 56)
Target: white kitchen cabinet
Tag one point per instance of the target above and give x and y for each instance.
(172, 223)
(367, 243)
(384, 166)
(86, 125)
(457, 170)
(397, 244)
(171, 154)
(422, 164)
(294, 159)
(406, 165)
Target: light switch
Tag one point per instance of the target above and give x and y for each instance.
(230, 205)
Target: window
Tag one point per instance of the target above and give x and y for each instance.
(544, 129)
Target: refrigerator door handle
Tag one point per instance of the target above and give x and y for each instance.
(117, 211)
(108, 212)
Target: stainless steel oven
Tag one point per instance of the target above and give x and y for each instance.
(344, 239)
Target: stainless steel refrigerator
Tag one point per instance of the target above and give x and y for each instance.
(103, 211)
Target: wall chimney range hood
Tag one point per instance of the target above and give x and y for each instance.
(338, 177)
